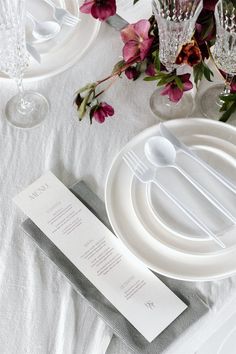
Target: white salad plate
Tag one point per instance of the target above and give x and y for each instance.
(64, 50)
(155, 231)
(167, 223)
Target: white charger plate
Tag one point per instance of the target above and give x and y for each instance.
(157, 255)
(60, 53)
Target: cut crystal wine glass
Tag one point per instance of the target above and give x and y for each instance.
(176, 22)
(224, 55)
(27, 109)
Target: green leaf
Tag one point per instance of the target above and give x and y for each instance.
(179, 83)
(228, 113)
(162, 74)
(142, 66)
(150, 78)
(92, 110)
(207, 72)
(161, 83)
(208, 28)
(83, 107)
(157, 62)
(135, 1)
(86, 88)
(118, 66)
(228, 98)
(168, 79)
(228, 107)
(201, 70)
(78, 100)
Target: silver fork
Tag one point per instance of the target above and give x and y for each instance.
(147, 175)
(63, 16)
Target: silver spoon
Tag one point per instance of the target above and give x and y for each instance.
(44, 30)
(160, 152)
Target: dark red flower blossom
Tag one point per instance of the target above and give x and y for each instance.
(174, 92)
(101, 9)
(132, 73)
(102, 111)
(209, 4)
(233, 87)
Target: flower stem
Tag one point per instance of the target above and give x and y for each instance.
(113, 76)
(108, 86)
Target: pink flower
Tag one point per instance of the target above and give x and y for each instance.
(174, 92)
(101, 9)
(151, 70)
(137, 41)
(233, 87)
(102, 111)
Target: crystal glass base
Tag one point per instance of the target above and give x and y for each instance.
(210, 103)
(165, 109)
(29, 115)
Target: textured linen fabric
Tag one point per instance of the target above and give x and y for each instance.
(39, 311)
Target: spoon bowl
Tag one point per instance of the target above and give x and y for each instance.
(45, 30)
(159, 151)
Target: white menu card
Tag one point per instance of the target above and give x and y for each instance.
(132, 288)
(132, 13)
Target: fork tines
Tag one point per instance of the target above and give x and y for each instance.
(134, 162)
(70, 20)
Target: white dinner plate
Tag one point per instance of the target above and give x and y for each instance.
(63, 51)
(178, 259)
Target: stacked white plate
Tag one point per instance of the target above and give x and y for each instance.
(63, 51)
(155, 230)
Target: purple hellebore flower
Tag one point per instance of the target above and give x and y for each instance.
(233, 87)
(174, 93)
(102, 111)
(131, 73)
(151, 70)
(137, 41)
(101, 9)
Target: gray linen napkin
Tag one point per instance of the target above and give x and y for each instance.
(121, 327)
(117, 22)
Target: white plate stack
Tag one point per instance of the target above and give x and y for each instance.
(154, 229)
(67, 47)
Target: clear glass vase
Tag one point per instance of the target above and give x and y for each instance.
(176, 22)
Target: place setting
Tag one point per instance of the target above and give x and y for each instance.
(150, 253)
(52, 30)
(176, 204)
(39, 39)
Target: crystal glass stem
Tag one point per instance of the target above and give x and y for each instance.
(227, 87)
(24, 106)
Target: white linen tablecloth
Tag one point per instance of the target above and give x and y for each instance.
(39, 311)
